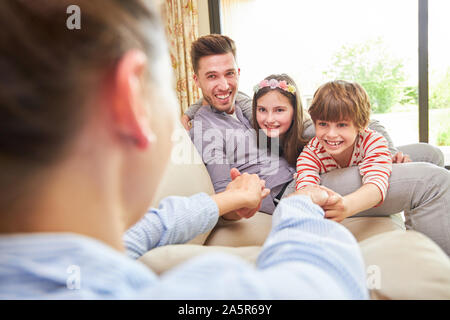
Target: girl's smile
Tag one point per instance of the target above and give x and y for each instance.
(274, 114)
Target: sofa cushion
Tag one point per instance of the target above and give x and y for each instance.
(254, 231)
(365, 227)
(399, 264)
(185, 174)
(245, 232)
(408, 265)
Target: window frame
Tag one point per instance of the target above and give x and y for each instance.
(423, 71)
(214, 16)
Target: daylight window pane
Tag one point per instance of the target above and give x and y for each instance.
(439, 75)
(372, 42)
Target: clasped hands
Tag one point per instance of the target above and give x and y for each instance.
(246, 191)
(333, 204)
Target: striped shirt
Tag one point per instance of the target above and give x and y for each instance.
(370, 153)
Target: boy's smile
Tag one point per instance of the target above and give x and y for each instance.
(338, 139)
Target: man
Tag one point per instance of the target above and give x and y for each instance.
(421, 190)
(222, 123)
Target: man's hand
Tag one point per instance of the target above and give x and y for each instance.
(186, 122)
(249, 191)
(400, 157)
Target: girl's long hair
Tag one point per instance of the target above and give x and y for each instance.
(293, 142)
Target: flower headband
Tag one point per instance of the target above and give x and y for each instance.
(274, 83)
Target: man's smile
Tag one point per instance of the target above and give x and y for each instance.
(224, 96)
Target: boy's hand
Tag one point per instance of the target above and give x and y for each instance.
(320, 195)
(366, 197)
(186, 122)
(334, 205)
(337, 211)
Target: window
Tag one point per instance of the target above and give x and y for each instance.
(372, 42)
(439, 75)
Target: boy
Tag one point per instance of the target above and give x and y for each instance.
(340, 111)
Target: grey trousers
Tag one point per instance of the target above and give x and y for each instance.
(420, 189)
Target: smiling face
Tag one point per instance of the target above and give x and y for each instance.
(338, 138)
(274, 114)
(218, 78)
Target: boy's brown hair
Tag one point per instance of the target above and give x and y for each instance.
(209, 45)
(340, 100)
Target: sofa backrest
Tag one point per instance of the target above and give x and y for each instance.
(185, 173)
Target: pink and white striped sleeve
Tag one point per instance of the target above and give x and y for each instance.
(308, 168)
(376, 166)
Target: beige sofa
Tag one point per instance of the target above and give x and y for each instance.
(400, 263)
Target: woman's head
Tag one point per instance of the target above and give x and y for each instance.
(54, 80)
(278, 112)
(340, 100)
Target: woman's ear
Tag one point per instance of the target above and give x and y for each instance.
(131, 112)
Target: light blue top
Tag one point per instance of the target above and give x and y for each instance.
(304, 257)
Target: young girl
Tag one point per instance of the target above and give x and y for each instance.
(277, 110)
(340, 111)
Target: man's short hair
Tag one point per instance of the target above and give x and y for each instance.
(209, 45)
